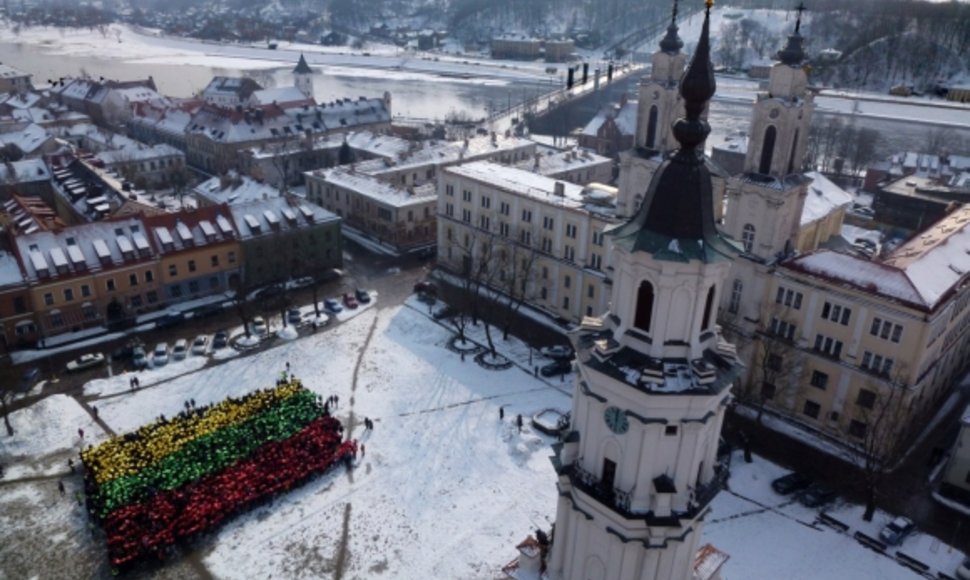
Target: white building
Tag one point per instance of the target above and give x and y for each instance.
(638, 466)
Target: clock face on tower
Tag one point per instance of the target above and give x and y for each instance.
(616, 420)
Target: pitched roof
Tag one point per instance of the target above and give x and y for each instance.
(302, 67)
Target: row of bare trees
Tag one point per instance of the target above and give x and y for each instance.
(496, 275)
(880, 417)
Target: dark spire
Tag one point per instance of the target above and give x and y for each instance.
(302, 67)
(792, 54)
(676, 220)
(672, 43)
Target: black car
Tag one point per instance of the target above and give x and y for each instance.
(363, 296)
(560, 367)
(207, 310)
(790, 483)
(425, 288)
(816, 495)
(220, 340)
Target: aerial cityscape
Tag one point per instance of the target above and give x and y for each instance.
(545, 290)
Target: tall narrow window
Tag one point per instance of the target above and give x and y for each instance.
(767, 150)
(735, 303)
(791, 158)
(747, 237)
(644, 315)
(652, 127)
(708, 309)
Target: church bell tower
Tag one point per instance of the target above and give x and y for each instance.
(638, 465)
(303, 78)
(765, 203)
(658, 106)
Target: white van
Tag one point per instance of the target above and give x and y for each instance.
(160, 354)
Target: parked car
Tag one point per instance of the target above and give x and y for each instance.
(963, 570)
(160, 354)
(896, 531)
(425, 287)
(790, 483)
(349, 301)
(559, 351)
(332, 306)
(200, 343)
(85, 361)
(125, 352)
(559, 367)
(258, 326)
(180, 349)
(139, 359)
(294, 316)
(363, 296)
(220, 340)
(270, 292)
(816, 495)
(444, 312)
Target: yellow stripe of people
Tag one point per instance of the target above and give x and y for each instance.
(121, 456)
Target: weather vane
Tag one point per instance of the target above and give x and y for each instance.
(798, 23)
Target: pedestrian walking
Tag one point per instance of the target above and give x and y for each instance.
(336, 400)
(70, 463)
(363, 450)
(518, 422)
(501, 413)
(95, 411)
(463, 356)
(287, 366)
(60, 487)
(80, 433)
(535, 372)
(137, 383)
(131, 383)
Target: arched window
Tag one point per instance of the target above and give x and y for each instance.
(644, 314)
(652, 127)
(747, 237)
(708, 309)
(767, 150)
(791, 158)
(735, 304)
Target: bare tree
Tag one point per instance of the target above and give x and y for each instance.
(879, 427)
(516, 265)
(776, 362)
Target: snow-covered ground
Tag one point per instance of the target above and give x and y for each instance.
(444, 490)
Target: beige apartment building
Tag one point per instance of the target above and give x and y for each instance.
(402, 219)
(840, 335)
(531, 228)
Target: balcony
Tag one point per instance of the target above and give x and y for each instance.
(620, 500)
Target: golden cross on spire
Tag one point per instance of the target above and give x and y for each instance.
(709, 4)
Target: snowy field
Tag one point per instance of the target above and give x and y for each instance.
(445, 489)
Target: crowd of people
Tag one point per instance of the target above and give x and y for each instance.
(176, 478)
(132, 452)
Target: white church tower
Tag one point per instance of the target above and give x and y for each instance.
(658, 106)
(765, 203)
(303, 77)
(638, 465)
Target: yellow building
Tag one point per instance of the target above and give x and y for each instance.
(198, 250)
(527, 229)
(94, 274)
(841, 335)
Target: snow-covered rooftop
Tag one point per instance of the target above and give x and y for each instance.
(178, 231)
(562, 161)
(234, 189)
(377, 189)
(10, 274)
(624, 116)
(140, 153)
(519, 181)
(823, 198)
(97, 242)
(28, 140)
(921, 272)
(277, 95)
(24, 171)
(251, 217)
(435, 154)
